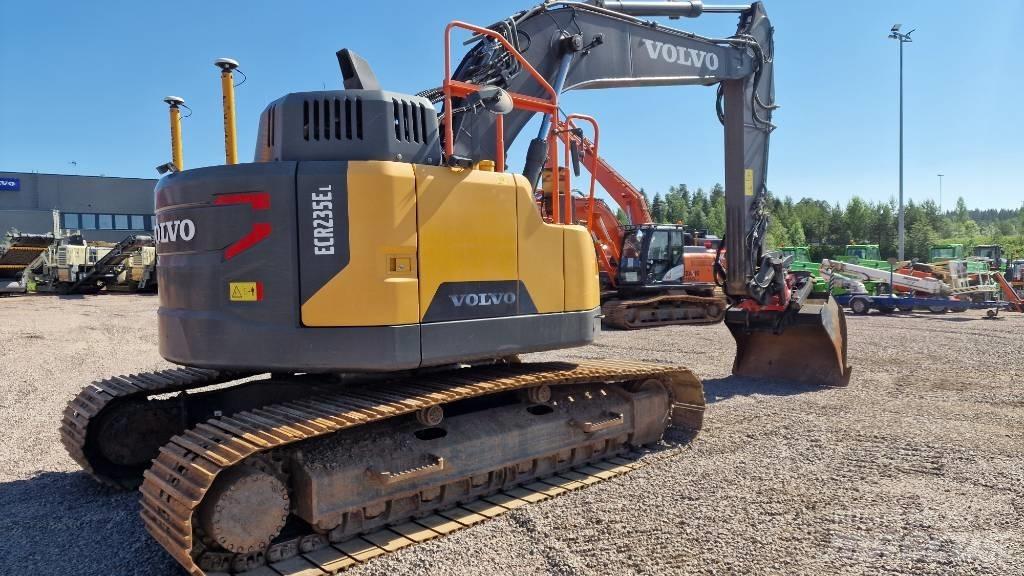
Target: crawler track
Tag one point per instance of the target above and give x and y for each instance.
(315, 557)
(667, 310)
(78, 424)
(185, 470)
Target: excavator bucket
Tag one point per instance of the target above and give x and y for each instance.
(809, 349)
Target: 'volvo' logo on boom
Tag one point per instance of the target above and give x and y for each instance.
(681, 54)
(172, 230)
(483, 299)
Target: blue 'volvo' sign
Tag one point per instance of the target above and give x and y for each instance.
(13, 184)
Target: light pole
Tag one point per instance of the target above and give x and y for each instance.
(902, 39)
(940, 192)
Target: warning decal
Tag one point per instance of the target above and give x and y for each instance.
(245, 291)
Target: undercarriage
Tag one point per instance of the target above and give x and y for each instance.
(663, 310)
(270, 469)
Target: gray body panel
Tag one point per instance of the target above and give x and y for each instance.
(448, 342)
(349, 125)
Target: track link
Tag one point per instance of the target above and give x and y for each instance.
(83, 411)
(183, 473)
(665, 310)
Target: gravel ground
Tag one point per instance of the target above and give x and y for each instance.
(914, 469)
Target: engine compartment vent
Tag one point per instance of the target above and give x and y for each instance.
(410, 120)
(331, 118)
(349, 125)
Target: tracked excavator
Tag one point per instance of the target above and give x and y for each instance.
(347, 310)
(651, 274)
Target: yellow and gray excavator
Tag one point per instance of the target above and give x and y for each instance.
(348, 309)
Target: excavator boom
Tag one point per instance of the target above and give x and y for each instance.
(603, 44)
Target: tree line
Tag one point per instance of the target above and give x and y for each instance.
(827, 228)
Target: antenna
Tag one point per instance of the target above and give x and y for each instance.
(227, 85)
(174, 103)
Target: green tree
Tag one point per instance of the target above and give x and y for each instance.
(716, 217)
(838, 233)
(700, 201)
(960, 213)
(676, 204)
(883, 228)
(658, 209)
(698, 219)
(858, 219)
(920, 240)
(815, 216)
(620, 215)
(796, 232)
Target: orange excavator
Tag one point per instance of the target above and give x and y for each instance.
(651, 274)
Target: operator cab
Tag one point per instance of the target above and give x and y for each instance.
(652, 256)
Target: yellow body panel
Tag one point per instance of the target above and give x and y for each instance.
(467, 227)
(541, 265)
(379, 286)
(412, 228)
(583, 292)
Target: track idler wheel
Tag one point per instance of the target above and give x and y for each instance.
(132, 432)
(245, 510)
(809, 350)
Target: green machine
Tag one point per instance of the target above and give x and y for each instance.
(802, 262)
(940, 253)
(864, 255)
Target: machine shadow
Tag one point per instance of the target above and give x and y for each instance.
(717, 389)
(57, 522)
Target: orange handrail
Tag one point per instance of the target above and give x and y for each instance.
(593, 177)
(456, 88)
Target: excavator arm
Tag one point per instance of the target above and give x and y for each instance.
(608, 44)
(586, 46)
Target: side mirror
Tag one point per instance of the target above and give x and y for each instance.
(492, 98)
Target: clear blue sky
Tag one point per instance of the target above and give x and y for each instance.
(83, 82)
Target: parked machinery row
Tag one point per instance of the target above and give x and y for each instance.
(67, 263)
(950, 281)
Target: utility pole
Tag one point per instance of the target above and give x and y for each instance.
(940, 192)
(902, 39)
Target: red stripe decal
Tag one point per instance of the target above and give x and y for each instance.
(258, 200)
(259, 231)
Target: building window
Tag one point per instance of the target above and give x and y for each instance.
(70, 221)
(106, 222)
(150, 222)
(138, 222)
(121, 221)
(88, 221)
